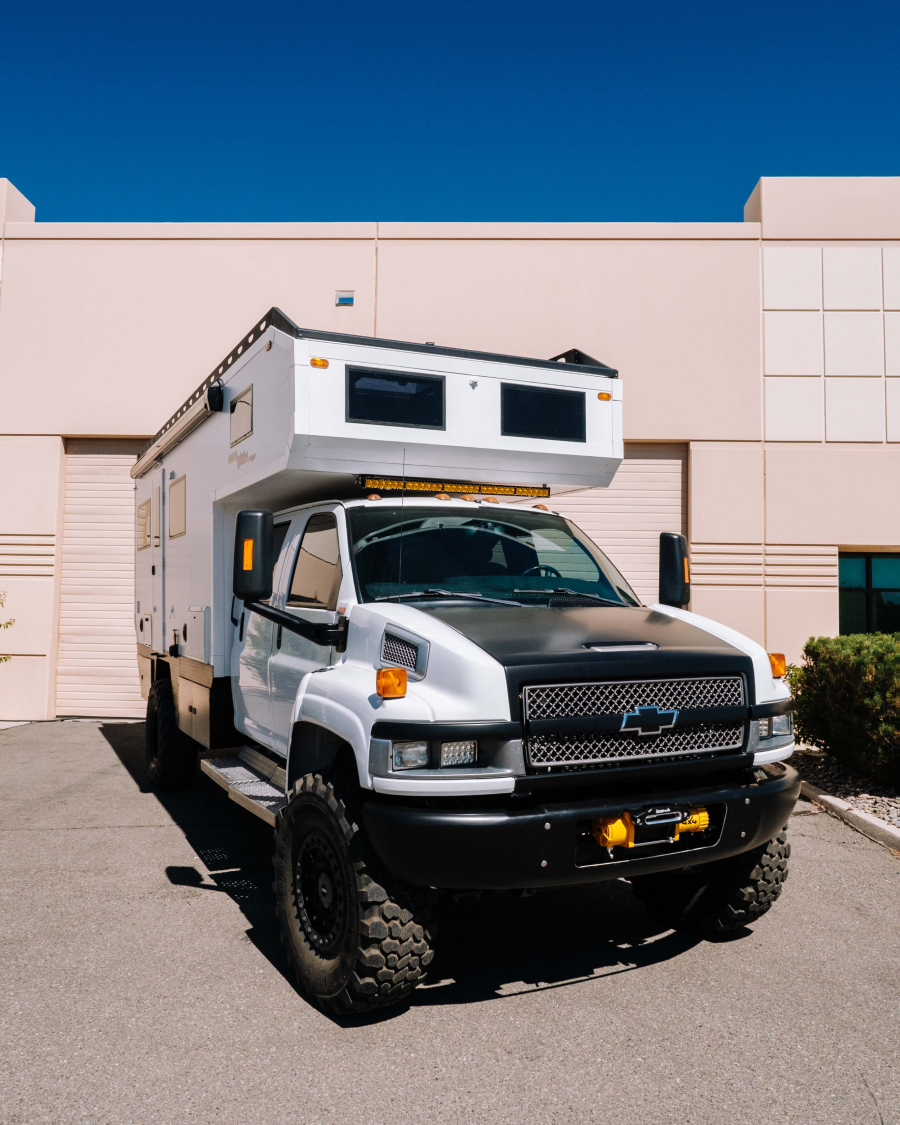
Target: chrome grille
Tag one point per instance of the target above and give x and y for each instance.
(570, 701)
(395, 650)
(606, 746)
(571, 751)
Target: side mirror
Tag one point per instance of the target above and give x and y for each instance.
(253, 550)
(674, 570)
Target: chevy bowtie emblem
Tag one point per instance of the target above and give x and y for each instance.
(648, 720)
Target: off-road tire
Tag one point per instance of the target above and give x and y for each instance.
(721, 898)
(359, 940)
(171, 756)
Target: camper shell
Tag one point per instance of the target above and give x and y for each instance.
(528, 727)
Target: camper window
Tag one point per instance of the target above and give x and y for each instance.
(541, 412)
(242, 416)
(143, 525)
(177, 508)
(393, 398)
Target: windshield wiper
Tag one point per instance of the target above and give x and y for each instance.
(572, 593)
(445, 594)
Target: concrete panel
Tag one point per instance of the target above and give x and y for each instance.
(892, 405)
(833, 494)
(828, 207)
(854, 343)
(14, 207)
(854, 409)
(740, 607)
(30, 470)
(852, 277)
(891, 258)
(793, 343)
(892, 344)
(795, 409)
(792, 277)
(793, 616)
(726, 493)
(29, 601)
(24, 688)
(694, 374)
(125, 329)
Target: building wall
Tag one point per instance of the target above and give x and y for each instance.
(770, 348)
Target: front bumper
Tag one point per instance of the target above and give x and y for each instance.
(506, 849)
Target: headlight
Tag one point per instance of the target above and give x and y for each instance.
(410, 755)
(458, 753)
(776, 725)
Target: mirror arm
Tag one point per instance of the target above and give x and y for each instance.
(335, 635)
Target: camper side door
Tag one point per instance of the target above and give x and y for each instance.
(311, 582)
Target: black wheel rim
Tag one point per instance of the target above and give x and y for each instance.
(320, 891)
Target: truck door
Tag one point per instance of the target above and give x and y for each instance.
(250, 664)
(311, 581)
(157, 563)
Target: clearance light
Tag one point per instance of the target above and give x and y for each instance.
(779, 664)
(604, 396)
(248, 554)
(409, 755)
(456, 488)
(316, 362)
(390, 683)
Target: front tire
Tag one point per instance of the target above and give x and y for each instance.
(171, 757)
(356, 938)
(722, 898)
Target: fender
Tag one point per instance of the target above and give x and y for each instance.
(330, 715)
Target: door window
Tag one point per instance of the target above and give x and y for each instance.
(317, 571)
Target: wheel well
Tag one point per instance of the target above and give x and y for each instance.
(317, 750)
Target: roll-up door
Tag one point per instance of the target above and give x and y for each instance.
(97, 664)
(647, 495)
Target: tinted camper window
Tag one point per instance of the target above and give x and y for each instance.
(391, 398)
(541, 412)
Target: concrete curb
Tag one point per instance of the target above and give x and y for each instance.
(872, 826)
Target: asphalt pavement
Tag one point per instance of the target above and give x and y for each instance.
(143, 980)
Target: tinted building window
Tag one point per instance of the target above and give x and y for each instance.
(869, 593)
(541, 412)
(388, 398)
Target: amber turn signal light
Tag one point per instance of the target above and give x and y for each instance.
(316, 362)
(604, 396)
(390, 683)
(248, 554)
(779, 664)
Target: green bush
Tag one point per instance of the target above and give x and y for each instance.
(847, 701)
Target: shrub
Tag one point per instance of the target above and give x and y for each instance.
(847, 701)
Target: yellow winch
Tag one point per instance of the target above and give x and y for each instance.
(653, 825)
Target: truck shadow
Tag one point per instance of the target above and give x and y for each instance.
(488, 948)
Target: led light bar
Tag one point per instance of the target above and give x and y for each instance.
(397, 484)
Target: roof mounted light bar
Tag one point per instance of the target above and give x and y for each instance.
(431, 487)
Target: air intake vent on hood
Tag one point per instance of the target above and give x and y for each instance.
(395, 650)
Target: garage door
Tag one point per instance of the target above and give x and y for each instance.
(97, 665)
(648, 495)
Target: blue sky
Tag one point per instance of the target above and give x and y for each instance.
(459, 111)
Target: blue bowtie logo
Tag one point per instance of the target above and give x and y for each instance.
(648, 720)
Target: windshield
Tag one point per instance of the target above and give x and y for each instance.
(524, 557)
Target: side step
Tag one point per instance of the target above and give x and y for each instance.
(251, 779)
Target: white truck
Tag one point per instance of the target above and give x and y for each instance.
(357, 611)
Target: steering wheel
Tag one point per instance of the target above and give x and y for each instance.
(542, 571)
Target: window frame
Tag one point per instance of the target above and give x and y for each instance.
(182, 480)
(351, 369)
(869, 590)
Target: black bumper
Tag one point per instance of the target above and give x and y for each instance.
(508, 849)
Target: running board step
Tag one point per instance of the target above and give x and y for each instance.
(251, 779)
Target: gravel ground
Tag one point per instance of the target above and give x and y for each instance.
(819, 769)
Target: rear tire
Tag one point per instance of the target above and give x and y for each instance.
(719, 899)
(171, 756)
(356, 938)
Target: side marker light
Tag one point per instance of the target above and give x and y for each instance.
(778, 662)
(604, 396)
(390, 683)
(248, 554)
(316, 362)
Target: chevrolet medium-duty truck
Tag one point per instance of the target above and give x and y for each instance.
(358, 612)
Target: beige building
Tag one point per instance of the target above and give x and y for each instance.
(760, 361)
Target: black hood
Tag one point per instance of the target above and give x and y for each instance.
(538, 644)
